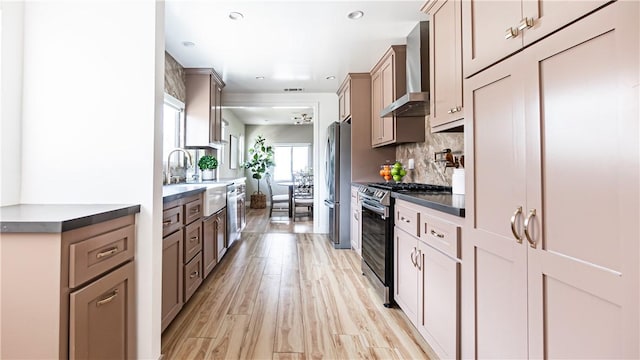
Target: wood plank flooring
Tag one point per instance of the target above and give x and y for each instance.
(284, 293)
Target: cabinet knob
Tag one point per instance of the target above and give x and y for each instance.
(108, 299)
(511, 33)
(513, 224)
(527, 221)
(525, 23)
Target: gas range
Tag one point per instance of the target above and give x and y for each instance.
(381, 192)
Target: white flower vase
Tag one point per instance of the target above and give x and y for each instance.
(207, 174)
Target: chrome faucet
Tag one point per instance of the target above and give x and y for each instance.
(189, 158)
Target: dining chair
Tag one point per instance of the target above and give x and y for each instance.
(281, 200)
(303, 195)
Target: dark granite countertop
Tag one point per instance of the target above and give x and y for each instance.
(54, 218)
(449, 203)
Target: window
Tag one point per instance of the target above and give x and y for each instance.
(290, 159)
(173, 118)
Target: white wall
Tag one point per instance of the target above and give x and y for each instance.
(235, 128)
(325, 110)
(11, 101)
(91, 122)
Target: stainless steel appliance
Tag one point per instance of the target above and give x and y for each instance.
(233, 230)
(338, 180)
(415, 102)
(377, 231)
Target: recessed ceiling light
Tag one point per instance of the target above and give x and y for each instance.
(331, 77)
(259, 77)
(188, 44)
(355, 15)
(234, 15)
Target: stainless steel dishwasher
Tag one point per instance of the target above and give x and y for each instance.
(233, 228)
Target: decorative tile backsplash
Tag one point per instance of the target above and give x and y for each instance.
(426, 169)
(174, 78)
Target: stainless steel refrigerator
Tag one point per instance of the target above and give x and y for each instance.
(338, 180)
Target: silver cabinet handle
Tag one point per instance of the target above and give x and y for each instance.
(525, 23)
(511, 33)
(418, 258)
(195, 238)
(434, 233)
(402, 218)
(413, 259)
(454, 110)
(108, 299)
(193, 274)
(513, 224)
(109, 252)
(532, 213)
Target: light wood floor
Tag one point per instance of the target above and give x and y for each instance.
(284, 293)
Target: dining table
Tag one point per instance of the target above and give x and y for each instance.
(289, 184)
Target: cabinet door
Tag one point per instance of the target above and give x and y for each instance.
(209, 253)
(171, 277)
(406, 273)
(438, 306)
(347, 101)
(217, 123)
(102, 317)
(221, 233)
(198, 110)
(192, 240)
(485, 24)
(192, 276)
(583, 272)
(446, 63)
(550, 15)
(388, 96)
(376, 107)
(495, 262)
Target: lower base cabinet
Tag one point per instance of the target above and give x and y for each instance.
(192, 276)
(172, 278)
(221, 233)
(427, 277)
(100, 324)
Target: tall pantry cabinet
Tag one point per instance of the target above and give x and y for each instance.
(550, 263)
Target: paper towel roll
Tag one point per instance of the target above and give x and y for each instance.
(457, 181)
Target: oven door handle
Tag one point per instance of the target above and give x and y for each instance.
(380, 211)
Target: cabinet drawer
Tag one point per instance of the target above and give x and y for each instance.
(102, 317)
(192, 240)
(171, 220)
(193, 211)
(407, 219)
(192, 276)
(442, 235)
(99, 254)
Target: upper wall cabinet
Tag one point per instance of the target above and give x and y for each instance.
(203, 108)
(344, 99)
(493, 30)
(445, 49)
(388, 83)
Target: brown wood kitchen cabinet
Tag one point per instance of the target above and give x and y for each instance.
(182, 261)
(203, 107)
(72, 294)
(221, 233)
(445, 65)
(215, 236)
(426, 275)
(355, 101)
(493, 30)
(388, 83)
(550, 261)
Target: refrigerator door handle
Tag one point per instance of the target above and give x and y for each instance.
(330, 204)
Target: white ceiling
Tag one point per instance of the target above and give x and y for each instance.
(271, 115)
(293, 44)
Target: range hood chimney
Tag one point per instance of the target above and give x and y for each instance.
(416, 100)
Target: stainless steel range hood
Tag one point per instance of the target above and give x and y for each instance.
(416, 101)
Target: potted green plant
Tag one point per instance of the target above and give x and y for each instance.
(207, 164)
(259, 161)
